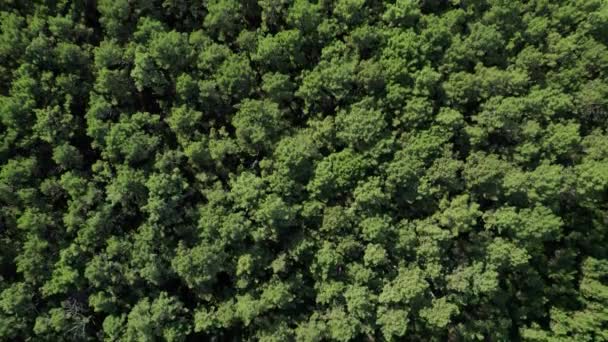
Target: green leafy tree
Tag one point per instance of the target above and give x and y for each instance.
(281, 170)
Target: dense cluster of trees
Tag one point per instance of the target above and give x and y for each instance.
(306, 170)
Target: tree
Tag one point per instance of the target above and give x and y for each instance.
(281, 170)
(257, 123)
(161, 318)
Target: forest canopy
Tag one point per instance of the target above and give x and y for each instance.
(303, 170)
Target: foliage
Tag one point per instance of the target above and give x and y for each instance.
(282, 170)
